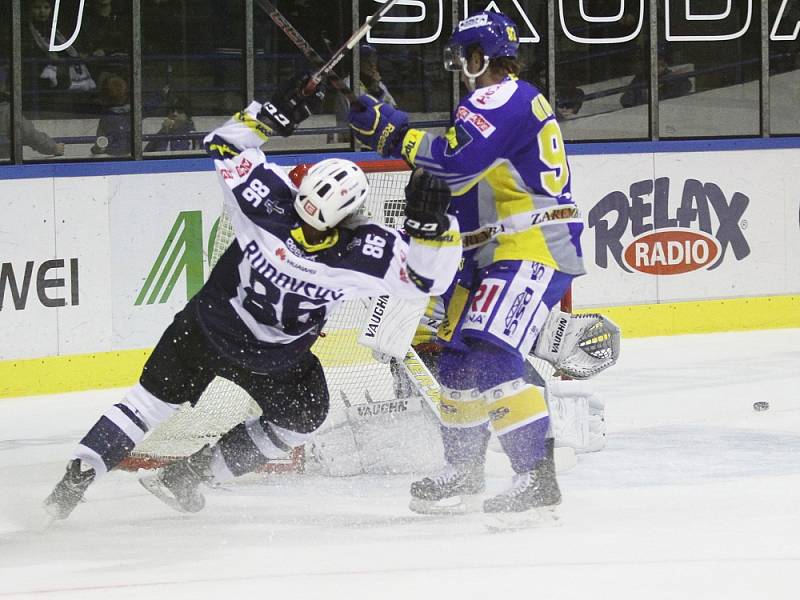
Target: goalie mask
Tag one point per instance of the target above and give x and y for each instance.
(496, 35)
(332, 190)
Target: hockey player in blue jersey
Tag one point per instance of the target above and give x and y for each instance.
(505, 162)
(298, 254)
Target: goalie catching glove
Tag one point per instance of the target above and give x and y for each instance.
(579, 346)
(427, 199)
(291, 106)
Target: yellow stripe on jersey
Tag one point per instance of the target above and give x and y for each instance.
(430, 322)
(455, 309)
(254, 124)
(541, 108)
(510, 200)
(448, 238)
(511, 412)
(451, 137)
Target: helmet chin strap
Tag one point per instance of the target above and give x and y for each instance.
(471, 77)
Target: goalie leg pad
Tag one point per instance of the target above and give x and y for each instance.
(577, 415)
(121, 427)
(396, 436)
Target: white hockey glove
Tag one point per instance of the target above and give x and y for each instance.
(577, 415)
(579, 346)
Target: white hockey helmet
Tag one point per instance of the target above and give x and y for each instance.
(332, 189)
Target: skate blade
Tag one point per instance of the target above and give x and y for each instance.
(545, 516)
(45, 519)
(49, 515)
(457, 505)
(153, 485)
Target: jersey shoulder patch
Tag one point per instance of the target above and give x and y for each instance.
(493, 96)
(262, 192)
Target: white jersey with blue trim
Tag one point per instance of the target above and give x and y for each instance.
(270, 294)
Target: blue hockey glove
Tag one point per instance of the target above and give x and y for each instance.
(378, 125)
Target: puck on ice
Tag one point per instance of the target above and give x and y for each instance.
(760, 406)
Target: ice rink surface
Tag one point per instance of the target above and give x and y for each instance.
(696, 496)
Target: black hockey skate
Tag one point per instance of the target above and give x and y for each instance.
(69, 491)
(177, 484)
(531, 499)
(454, 490)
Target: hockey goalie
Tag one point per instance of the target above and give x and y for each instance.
(402, 435)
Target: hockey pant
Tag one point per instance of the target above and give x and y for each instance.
(493, 319)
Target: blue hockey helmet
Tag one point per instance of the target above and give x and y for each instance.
(494, 32)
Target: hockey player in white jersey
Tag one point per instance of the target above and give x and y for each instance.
(298, 254)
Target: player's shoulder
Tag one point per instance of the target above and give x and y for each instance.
(366, 247)
(508, 94)
(249, 164)
(504, 106)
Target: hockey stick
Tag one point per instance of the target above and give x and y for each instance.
(423, 379)
(350, 43)
(325, 68)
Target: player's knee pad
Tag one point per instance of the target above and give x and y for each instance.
(513, 405)
(462, 408)
(148, 407)
(121, 427)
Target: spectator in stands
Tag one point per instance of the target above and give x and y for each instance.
(177, 123)
(50, 70)
(370, 83)
(670, 85)
(105, 32)
(38, 140)
(114, 127)
(569, 100)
